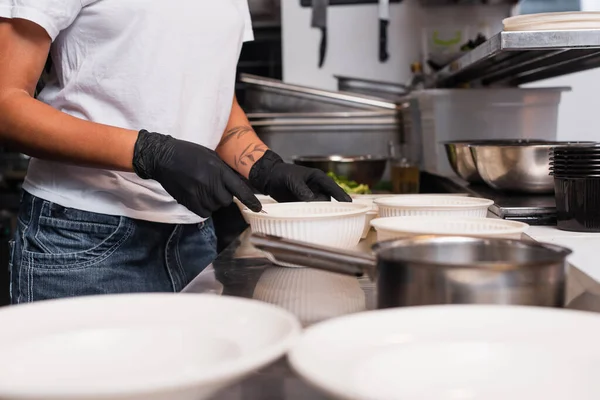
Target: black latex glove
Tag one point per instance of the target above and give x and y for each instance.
(195, 176)
(289, 182)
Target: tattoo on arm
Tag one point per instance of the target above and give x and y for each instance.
(235, 133)
(250, 154)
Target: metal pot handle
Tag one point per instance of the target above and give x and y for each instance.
(312, 256)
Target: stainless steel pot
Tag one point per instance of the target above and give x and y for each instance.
(430, 270)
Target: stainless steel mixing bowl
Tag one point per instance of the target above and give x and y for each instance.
(461, 160)
(365, 169)
(515, 166)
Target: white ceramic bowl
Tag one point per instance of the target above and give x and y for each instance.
(325, 223)
(261, 197)
(401, 227)
(453, 352)
(432, 206)
(137, 347)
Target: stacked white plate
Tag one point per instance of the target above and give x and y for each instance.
(454, 352)
(137, 347)
(560, 21)
(330, 224)
(401, 227)
(433, 206)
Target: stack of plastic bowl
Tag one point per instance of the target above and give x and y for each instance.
(576, 170)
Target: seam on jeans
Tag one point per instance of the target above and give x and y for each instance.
(23, 255)
(45, 204)
(95, 261)
(171, 277)
(49, 220)
(178, 260)
(30, 279)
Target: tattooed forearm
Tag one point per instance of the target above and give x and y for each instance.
(250, 154)
(235, 133)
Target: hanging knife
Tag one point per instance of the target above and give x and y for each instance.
(384, 22)
(319, 20)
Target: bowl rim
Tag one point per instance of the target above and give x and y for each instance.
(508, 228)
(227, 371)
(353, 209)
(340, 158)
(472, 202)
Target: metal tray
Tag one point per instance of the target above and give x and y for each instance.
(516, 58)
(390, 91)
(271, 95)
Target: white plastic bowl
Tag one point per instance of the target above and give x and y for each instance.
(370, 216)
(261, 197)
(432, 206)
(325, 223)
(401, 227)
(137, 347)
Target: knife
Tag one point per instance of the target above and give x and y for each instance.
(319, 20)
(384, 22)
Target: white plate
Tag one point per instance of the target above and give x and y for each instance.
(143, 346)
(399, 227)
(454, 353)
(553, 21)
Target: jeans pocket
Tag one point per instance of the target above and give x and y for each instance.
(65, 238)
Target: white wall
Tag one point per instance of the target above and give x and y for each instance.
(353, 40)
(578, 113)
(353, 44)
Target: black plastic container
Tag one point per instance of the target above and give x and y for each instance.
(577, 203)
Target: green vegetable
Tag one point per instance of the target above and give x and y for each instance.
(350, 187)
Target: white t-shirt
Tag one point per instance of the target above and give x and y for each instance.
(167, 66)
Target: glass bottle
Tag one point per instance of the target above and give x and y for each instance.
(404, 171)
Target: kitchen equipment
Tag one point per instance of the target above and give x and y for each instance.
(384, 22)
(578, 202)
(576, 172)
(429, 270)
(438, 206)
(138, 346)
(272, 95)
(326, 134)
(453, 352)
(461, 160)
(516, 166)
(395, 92)
(493, 113)
(557, 21)
(327, 223)
(319, 20)
(364, 169)
(400, 227)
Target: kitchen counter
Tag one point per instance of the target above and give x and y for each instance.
(315, 296)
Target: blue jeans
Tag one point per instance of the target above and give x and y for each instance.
(63, 252)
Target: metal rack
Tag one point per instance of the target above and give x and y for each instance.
(440, 3)
(516, 58)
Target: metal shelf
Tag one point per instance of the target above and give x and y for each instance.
(441, 3)
(516, 58)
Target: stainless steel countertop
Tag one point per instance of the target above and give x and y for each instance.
(313, 296)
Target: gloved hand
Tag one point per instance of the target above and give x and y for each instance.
(289, 182)
(195, 176)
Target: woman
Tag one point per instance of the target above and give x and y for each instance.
(110, 205)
